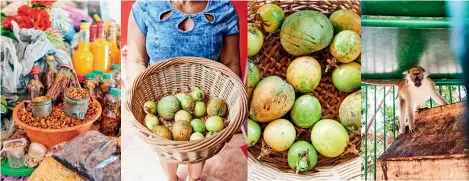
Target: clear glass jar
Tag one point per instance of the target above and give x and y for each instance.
(110, 119)
(35, 88)
(108, 83)
(116, 70)
(91, 84)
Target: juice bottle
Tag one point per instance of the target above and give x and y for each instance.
(93, 31)
(51, 72)
(35, 88)
(115, 52)
(83, 59)
(101, 50)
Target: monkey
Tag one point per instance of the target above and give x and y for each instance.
(412, 93)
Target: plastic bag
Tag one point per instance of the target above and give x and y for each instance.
(50, 169)
(93, 156)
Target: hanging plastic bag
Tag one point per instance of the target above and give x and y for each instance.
(93, 156)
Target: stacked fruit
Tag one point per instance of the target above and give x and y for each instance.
(191, 119)
(288, 107)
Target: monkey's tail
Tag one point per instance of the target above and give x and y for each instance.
(383, 82)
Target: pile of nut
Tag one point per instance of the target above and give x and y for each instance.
(57, 119)
(40, 99)
(77, 93)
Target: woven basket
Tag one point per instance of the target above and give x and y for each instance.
(183, 74)
(272, 59)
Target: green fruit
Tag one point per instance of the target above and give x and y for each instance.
(151, 121)
(305, 32)
(200, 110)
(254, 77)
(329, 138)
(254, 132)
(162, 131)
(347, 77)
(182, 115)
(272, 17)
(302, 156)
(214, 124)
(187, 103)
(216, 107)
(196, 136)
(198, 126)
(149, 107)
(346, 20)
(280, 134)
(197, 94)
(304, 74)
(350, 112)
(306, 111)
(346, 46)
(210, 134)
(182, 131)
(168, 106)
(255, 40)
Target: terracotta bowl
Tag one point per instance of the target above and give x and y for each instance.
(51, 137)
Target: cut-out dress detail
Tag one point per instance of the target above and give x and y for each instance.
(171, 33)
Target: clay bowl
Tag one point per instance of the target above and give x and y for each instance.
(51, 137)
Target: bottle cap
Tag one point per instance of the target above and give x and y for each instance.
(81, 78)
(116, 66)
(90, 76)
(115, 92)
(98, 72)
(35, 70)
(84, 24)
(108, 76)
(49, 58)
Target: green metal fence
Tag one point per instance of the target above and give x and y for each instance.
(381, 115)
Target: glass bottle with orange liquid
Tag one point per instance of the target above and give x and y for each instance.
(83, 59)
(101, 50)
(115, 52)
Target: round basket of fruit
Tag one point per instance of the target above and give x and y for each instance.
(304, 81)
(187, 108)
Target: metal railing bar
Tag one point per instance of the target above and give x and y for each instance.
(374, 139)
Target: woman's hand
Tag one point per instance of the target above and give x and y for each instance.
(137, 52)
(230, 53)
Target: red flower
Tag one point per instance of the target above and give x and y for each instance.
(28, 17)
(7, 22)
(25, 22)
(47, 3)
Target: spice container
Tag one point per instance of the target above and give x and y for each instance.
(76, 102)
(116, 70)
(51, 72)
(41, 106)
(91, 84)
(108, 83)
(110, 120)
(35, 88)
(15, 152)
(99, 75)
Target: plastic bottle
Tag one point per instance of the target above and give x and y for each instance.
(116, 70)
(35, 87)
(51, 72)
(110, 122)
(91, 84)
(101, 50)
(115, 51)
(83, 58)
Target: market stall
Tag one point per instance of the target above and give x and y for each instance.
(60, 91)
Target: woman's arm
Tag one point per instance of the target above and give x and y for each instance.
(137, 53)
(230, 53)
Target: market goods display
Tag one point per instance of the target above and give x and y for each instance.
(199, 106)
(67, 83)
(180, 109)
(306, 71)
